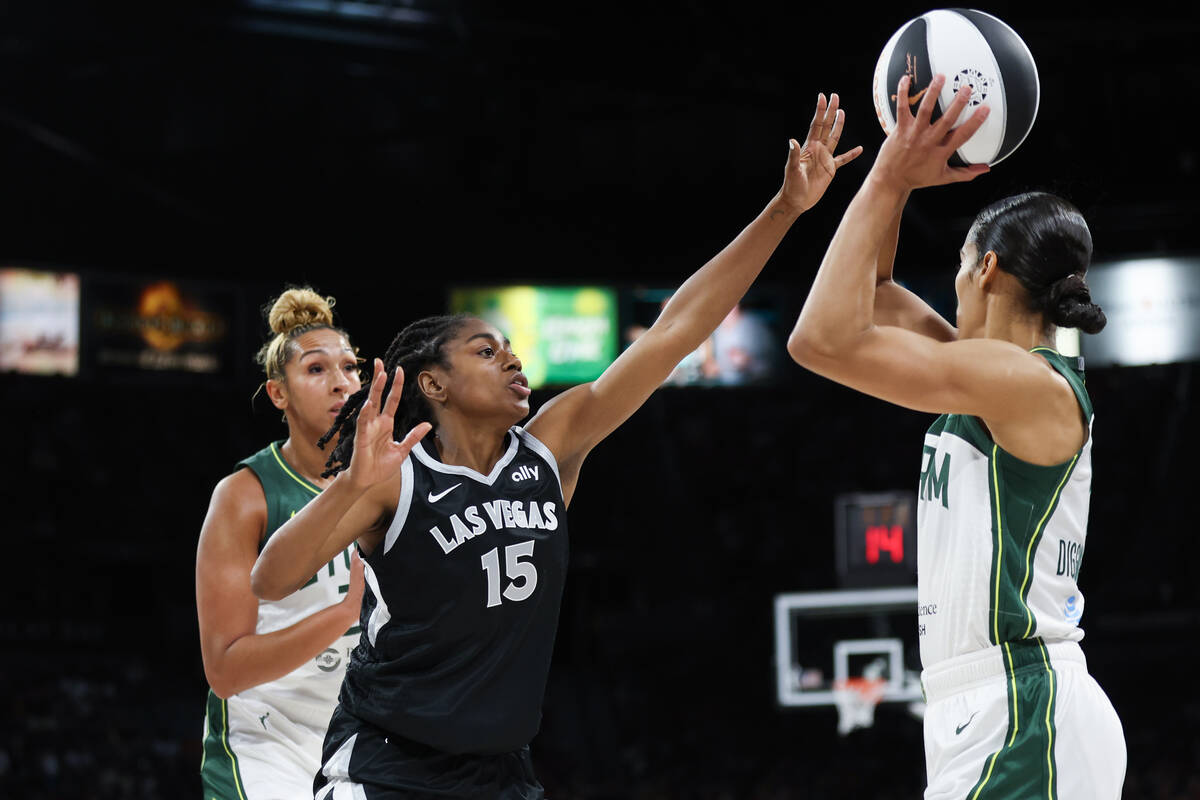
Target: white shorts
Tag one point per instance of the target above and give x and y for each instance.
(253, 752)
(1021, 721)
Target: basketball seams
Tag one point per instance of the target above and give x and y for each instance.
(1015, 60)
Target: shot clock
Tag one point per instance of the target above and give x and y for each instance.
(876, 541)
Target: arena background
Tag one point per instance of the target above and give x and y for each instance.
(232, 148)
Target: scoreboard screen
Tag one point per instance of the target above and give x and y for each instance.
(876, 539)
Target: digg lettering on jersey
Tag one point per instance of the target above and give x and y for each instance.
(1070, 556)
(502, 514)
(935, 482)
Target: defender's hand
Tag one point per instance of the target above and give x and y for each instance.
(377, 456)
(811, 166)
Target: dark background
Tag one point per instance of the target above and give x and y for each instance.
(382, 161)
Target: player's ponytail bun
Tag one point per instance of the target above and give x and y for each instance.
(296, 308)
(295, 312)
(1069, 305)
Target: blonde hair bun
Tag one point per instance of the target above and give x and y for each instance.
(294, 313)
(297, 308)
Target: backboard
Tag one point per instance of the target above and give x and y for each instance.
(823, 638)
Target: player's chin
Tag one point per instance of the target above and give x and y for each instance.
(518, 410)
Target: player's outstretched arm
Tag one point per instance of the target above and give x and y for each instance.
(577, 420)
(235, 657)
(836, 334)
(356, 506)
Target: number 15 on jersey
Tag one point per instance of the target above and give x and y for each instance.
(521, 574)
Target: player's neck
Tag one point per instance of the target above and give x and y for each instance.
(302, 453)
(1007, 320)
(476, 447)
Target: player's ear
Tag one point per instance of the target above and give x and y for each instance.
(277, 392)
(989, 267)
(431, 387)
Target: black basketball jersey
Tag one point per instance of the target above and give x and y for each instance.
(462, 603)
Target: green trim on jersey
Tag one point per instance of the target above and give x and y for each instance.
(1025, 766)
(969, 429)
(285, 490)
(219, 772)
(274, 447)
(1072, 370)
(1023, 498)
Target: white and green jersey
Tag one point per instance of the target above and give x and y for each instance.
(1000, 540)
(265, 741)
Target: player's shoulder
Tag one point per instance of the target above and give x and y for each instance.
(528, 441)
(266, 458)
(240, 488)
(237, 511)
(1053, 370)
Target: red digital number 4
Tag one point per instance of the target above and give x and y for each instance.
(887, 539)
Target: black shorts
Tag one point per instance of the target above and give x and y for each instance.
(386, 767)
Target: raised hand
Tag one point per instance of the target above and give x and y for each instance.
(811, 166)
(377, 455)
(917, 151)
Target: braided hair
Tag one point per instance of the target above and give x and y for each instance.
(417, 347)
(1045, 243)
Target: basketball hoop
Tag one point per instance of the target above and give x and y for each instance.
(856, 699)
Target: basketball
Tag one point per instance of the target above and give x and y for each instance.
(968, 47)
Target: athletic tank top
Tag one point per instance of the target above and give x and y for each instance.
(308, 694)
(462, 603)
(1000, 540)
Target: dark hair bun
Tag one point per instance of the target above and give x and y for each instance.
(1069, 305)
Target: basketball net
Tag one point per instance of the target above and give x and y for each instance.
(856, 699)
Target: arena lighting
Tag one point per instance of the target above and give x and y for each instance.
(386, 25)
(362, 10)
(1153, 310)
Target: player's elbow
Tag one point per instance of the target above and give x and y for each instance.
(263, 585)
(222, 689)
(807, 346)
(223, 684)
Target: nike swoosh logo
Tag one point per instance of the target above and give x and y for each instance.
(433, 498)
(963, 727)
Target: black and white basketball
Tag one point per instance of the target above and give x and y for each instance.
(970, 47)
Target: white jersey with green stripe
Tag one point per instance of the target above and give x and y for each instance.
(1000, 540)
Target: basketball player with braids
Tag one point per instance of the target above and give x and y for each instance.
(1006, 469)
(275, 667)
(465, 541)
